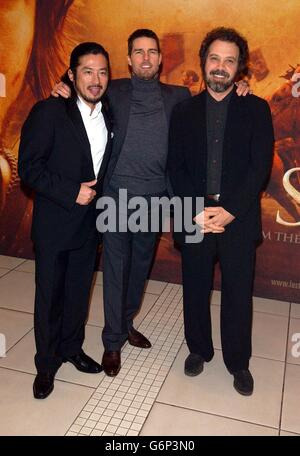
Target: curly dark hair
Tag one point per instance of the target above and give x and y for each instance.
(232, 36)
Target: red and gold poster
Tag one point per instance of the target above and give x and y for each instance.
(36, 39)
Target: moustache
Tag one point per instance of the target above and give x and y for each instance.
(98, 86)
(219, 73)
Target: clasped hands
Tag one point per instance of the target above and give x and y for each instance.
(213, 219)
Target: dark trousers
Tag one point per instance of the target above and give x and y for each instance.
(63, 282)
(127, 258)
(237, 258)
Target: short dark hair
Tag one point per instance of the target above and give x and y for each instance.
(142, 33)
(232, 36)
(85, 49)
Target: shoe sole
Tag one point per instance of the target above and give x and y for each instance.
(193, 374)
(109, 374)
(138, 346)
(243, 393)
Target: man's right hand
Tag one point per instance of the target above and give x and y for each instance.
(61, 89)
(86, 194)
(204, 221)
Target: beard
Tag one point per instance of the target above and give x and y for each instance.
(146, 74)
(219, 86)
(92, 100)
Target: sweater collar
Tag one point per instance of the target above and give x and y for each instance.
(144, 85)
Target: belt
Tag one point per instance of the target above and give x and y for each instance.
(214, 197)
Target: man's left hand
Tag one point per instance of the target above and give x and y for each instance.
(243, 88)
(218, 216)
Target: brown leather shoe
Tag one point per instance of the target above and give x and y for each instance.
(111, 363)
(137, 339)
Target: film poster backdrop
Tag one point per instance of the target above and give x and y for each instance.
(36, 39)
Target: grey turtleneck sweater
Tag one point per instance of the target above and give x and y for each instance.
(142, 162)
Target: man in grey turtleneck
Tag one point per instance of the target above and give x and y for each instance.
(141, 109)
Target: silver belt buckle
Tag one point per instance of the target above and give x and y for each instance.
(214, 197)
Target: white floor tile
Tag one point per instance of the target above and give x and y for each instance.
(269, 334)
(10, 262)
(295, 310)
(96, 315)
(3, 271)
(98, 278)
(289, 434)
(170, 420)
(17, 291)
(216, 297)
(271, 306)
(27, 266)
(155, 287)
(14, 325)
(21, 414)
(212, 391)
(147, 303)
(291, 400)
(21, 358)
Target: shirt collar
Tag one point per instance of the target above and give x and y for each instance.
(86, 110)
(212, 100)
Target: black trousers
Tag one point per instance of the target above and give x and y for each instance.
(127, 257)
(63, 282)
(237, 259)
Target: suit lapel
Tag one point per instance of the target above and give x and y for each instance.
(168, 100)
(234, 121)
(122, 113)
(107, 151)
(79, 128)
(198, 137)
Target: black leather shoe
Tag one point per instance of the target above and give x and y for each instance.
(137, 339)
(111, 362)
(43, 385)
(193, 365)
(84, 363)
(243, 382)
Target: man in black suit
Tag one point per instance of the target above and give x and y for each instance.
(64, 151)
(220, 148)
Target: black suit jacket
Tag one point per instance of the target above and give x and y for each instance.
(246, 163)
(119, 97)
(54, 159)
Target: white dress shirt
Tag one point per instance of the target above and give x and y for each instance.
(96, 131)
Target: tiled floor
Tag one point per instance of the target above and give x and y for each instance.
(151, 395)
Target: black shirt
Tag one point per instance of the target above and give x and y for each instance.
(216, 115)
